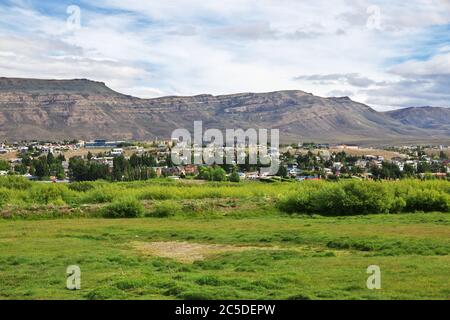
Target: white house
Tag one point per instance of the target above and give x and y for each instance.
(116, 152)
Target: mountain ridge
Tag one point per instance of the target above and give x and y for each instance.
(85, 109)
(427, 117)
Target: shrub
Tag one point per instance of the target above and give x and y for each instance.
(4, 197)
(159, 193)
(47, 194)
(427, 200)
(198, 206)
(218, 174)
(13, 182)
(102, 194)
(234, 177)
(212, 174)
(165, 209)
(129, 208)
(366, 197)
(81, 186)
(4, 165)
(298, 202)
(353, 198)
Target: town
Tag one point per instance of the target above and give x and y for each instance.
(128, 161)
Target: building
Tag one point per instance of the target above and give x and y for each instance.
(23, 150)
(100, 143)
(116, 152)
(347, 147)
(104, 160)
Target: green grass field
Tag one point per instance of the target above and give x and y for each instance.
(223, 242)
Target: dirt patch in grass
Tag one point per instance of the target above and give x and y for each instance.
(188, 252)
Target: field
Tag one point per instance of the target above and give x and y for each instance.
(218, 241)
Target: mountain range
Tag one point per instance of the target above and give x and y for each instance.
(429, 118)
(33, 109)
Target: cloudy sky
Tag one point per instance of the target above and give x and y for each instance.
(387, 54)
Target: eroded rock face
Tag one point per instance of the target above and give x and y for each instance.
(83, 109)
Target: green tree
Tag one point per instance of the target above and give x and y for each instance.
(409, 170)
(61, 158)
(135, 161)
(423, 167)
(41, 167)
(21, 169)
(4, 165)
(152, 173)
(56, 169)
(204, 173)
(282, 172)
(97, 171)
(26, 160)
(119, 166)
(149, 160)
(169, 162)
(78, 170)
(50, 159)
(234, 176)
(218, 174)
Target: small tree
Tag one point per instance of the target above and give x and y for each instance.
(234, 176)
(21, 169)
(41, 167)
(26, 160)
(282, 172)
(204, 173)
(4, 165)
(152, 174)
(218, 174)
(61, 158)
(119, 166)
(50, 159)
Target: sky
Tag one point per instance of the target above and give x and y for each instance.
(387, 54)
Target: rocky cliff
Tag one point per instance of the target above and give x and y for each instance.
(84, 109)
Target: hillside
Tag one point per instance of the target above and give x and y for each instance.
(430, 118)
(84, 109)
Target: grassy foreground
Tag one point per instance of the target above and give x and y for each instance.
(270, 257)
(196, 240)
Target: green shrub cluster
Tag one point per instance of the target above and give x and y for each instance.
(129, 208)
(367, 197)
(4, 196)
(51, 194)
(212, 174)
(14, 182)
(81, 186)
(165, 209)
(345, 197)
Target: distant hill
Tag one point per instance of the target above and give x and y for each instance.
(43, 87)
(84, 109)
(430, 118)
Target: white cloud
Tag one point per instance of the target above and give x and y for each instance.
(421, 83)
(150, 48)
(437, 65)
